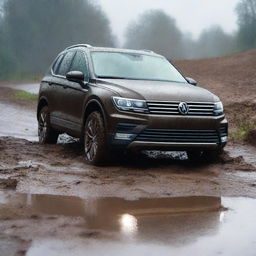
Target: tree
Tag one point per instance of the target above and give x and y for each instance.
(246, 11)
(155, 31)
(214, 42)
(37, 30)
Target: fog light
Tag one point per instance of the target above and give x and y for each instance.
(224, 139)
(123, 136)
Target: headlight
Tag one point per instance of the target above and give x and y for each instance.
(131, 104)
(218, 108)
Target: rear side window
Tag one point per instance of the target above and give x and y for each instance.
(65, 63)
(79, 63)
(56, 64)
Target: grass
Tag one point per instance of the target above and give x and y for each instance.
(21, 95)
(242, 130)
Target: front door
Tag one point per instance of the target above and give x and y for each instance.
(74, 95)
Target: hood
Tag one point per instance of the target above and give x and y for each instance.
(158, 90)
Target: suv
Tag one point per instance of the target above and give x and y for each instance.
(117, 99)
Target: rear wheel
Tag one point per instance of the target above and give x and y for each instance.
(46, 134)
(95, 143)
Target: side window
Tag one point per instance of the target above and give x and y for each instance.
(56, 64)
(65, 64)
(79, 63)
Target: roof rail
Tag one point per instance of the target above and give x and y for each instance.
(145, 50)
(78, 45)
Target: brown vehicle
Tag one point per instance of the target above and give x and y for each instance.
(117, 100)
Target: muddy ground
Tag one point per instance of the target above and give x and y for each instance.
(52, 202)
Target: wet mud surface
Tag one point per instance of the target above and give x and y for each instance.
(53, 203)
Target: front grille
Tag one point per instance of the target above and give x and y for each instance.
(171, 108)
(189, 136)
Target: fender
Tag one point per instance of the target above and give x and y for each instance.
(99, 104)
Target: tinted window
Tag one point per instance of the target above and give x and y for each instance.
(79, 63)
(65, 64)
(56, 64)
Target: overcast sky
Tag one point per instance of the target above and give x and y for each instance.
(192, 16)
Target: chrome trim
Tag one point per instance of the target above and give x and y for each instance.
(172, 108)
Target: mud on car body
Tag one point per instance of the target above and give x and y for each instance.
(118, 99)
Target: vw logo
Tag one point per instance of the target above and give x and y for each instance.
(183, 108)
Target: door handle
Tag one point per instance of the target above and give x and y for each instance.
(50, 84)
(65, 86)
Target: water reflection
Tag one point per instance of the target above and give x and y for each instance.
(128, 224)
(157, 219)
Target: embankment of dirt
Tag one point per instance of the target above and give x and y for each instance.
(232, 78)
(251, 137)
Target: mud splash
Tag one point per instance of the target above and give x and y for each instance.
(66, 225)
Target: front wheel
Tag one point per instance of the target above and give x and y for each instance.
(95, 143)
(46, 134)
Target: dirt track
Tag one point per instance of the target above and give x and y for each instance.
(28, 169)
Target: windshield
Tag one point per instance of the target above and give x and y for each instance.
(117, 65)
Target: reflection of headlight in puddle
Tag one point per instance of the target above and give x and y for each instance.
(222, 216)
(128, 224)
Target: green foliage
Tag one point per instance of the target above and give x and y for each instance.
(214, 42)
(156, 31)
(242, 130)
(8, 66)
(246, 11)
(25, 95)
(36, 31)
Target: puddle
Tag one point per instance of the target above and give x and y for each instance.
(31, 88)
(18, 122)
(21, 123)
(164, 226)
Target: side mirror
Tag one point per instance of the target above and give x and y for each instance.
(75, 76)
(191, 81)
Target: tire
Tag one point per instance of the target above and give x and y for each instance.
(95, 142)
(46, 134)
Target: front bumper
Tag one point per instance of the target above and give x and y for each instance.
(168, 132)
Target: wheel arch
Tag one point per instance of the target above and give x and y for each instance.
(42, 103)
(94, 105)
